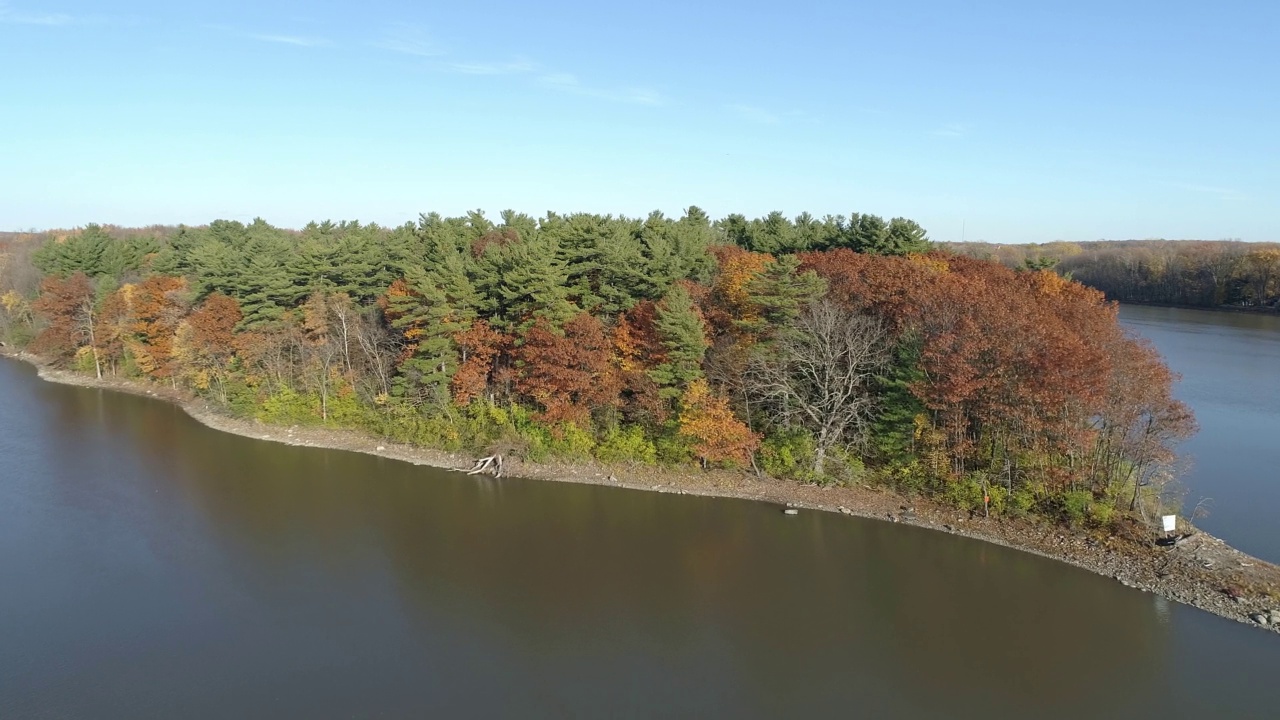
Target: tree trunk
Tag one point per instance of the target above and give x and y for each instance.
(324, 394)
(820, 451)
(1137, 487)
(93, 342)
(346, 342)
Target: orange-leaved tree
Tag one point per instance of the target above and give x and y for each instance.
(707, 421)
(67, 307)
(159, 304)
(204, 343)
(480, 346)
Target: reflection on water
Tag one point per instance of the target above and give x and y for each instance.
(1163, 611)
(157, 568)
(1230, 367)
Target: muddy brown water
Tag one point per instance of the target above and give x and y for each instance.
(153, 568)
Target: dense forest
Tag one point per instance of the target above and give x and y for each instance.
(1168, 272)
(840, 350)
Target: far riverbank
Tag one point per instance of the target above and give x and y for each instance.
(1239, 309)
(1200, 571)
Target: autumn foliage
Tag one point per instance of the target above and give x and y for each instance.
(1019, 366)
(1177, 272)
(480, 346)
(204, 343)
(158, 304)
(65, 304)
(568, 373)
(653, 340)
(717, 436)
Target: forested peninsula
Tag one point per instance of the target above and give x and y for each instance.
(832, 352)
(844, 364)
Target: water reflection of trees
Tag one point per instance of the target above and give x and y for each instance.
(740, 607)
(588, 599)
(573, 579)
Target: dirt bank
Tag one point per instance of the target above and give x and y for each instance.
(1200, 570)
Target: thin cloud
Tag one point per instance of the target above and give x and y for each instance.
(637, 96)
(46, 20)
(1223, 192)
(13, 17)
(561, 81)
(516, 67)
(295, 40)
(755, 114)
(952, 130)
(409, 40)
(566, 82)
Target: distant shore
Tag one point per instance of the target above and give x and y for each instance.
(1201, 571)
(1208, 308)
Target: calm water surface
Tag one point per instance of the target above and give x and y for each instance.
(152, 568)
(1230, 366)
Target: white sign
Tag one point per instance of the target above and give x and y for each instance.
(1170, 523)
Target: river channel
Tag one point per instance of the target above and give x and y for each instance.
(1230, 367)
(153, 568)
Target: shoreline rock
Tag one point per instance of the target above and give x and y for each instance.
(1200, 570)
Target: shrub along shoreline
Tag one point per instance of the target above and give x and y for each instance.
(1200, 571)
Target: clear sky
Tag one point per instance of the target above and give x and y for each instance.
(1014, 121)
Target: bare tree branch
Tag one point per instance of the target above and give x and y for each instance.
(818, 375)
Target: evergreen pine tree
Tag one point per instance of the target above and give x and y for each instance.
(893, 430)
(429, 319)
(781, 292)
(524, 279)
(680, 330)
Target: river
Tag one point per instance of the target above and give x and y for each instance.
(153, 568)
(1230, 367)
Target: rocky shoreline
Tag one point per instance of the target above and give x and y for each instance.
(1198, 569)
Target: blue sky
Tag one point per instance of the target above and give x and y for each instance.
(1004, 121)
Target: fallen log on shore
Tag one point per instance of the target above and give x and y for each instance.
(493, 464)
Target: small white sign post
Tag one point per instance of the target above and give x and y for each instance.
(1170, 523)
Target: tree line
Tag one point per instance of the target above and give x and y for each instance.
(838, 350)
(1167, 272)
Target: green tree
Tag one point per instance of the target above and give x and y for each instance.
(83, 252)
(894, 427)
(680, 329)
(674, 251)
(603, 260)
(521, 280)
(903, 237)
(429, 308)
(781, 292)
(265, 289)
